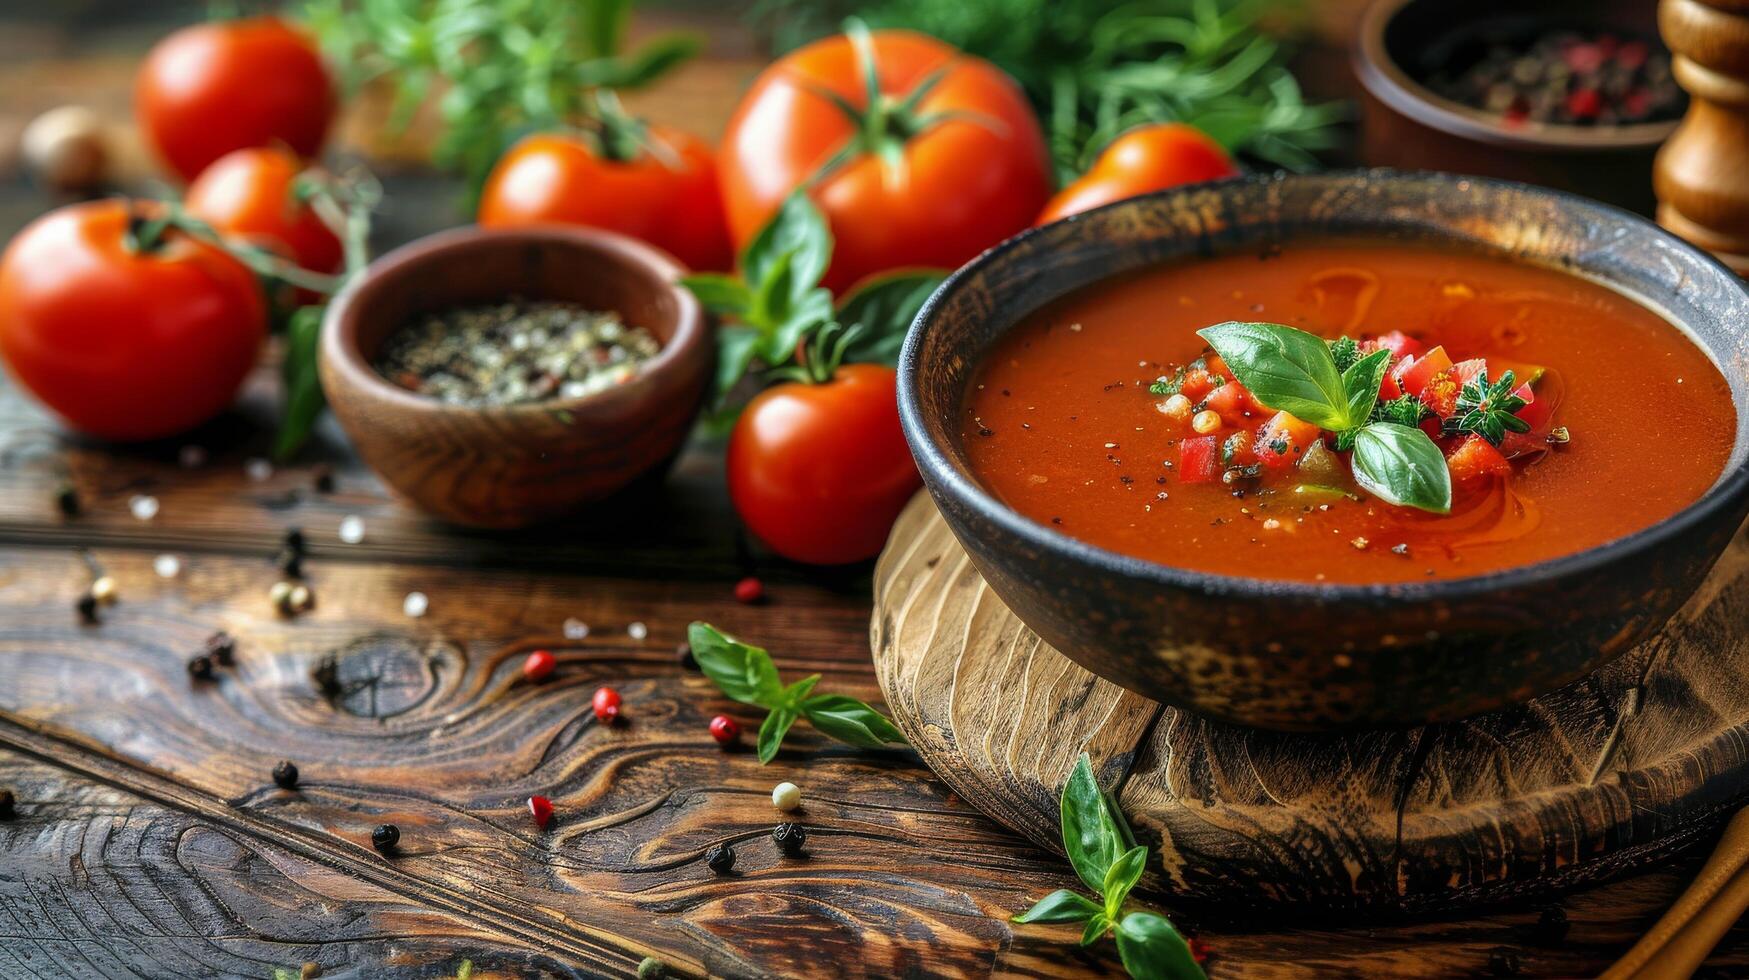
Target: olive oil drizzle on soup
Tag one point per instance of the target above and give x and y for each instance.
(1060, 425)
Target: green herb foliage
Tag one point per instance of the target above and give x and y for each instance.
(1404, 410)
(1109, 862)
(746, 674)
(1344, 351)
(776, 302)
(505, 68)
(1488, 409)
(1094, 68)
(1294, 371)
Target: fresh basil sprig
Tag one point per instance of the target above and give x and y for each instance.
(1293, 371)
(746, 674)
(1108, 860)
(776, 301)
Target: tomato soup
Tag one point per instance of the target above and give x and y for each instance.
(1107, 417)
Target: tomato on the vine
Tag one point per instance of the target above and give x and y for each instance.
(666, 194)
(216, 87)
(251, 193)
(942, 160)
(123, 342)
(1147, 158)
(820, 471)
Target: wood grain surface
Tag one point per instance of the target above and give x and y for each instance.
(149, 840)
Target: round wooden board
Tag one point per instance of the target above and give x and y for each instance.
(1610, 773)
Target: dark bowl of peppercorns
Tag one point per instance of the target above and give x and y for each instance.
(1543, 91)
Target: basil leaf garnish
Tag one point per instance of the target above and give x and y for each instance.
(1402, 466)
(772, 731)
(1090, 836)
(797, 231)
(743, 672)
(1151, 949)
(850, 721)
(1061, 905)
(1122, 876)
(1285, 369)
(1361, 384)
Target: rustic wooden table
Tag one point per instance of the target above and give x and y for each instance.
(149, 839)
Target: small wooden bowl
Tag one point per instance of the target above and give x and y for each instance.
(511, 466)
(1407, 126)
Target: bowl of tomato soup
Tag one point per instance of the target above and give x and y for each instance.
(1313, 452)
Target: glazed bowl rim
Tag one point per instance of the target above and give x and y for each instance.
(946, 479)
(1386, 80)
(339, 343)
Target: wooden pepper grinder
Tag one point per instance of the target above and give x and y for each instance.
(1701, 175)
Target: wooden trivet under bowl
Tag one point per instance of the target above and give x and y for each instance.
(1644, 757)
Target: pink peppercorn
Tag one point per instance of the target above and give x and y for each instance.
(724, 729)
(606, 704)
(749, 591)
(541, 809)
(539, 665)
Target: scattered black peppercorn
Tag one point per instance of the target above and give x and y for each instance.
(221, 648)
(290, 562)
(790, 837)
(326, 676)
(683, 653)
(323, 479)
(1503, 962)
(201, 668)
(294, 540)
(721, 858)
(651, 968)
(385, 837)
(1552, 925)
(285, 775)
(67, 500)
(87, 608)
(8, 805)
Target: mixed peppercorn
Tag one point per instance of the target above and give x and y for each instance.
(1563, 77)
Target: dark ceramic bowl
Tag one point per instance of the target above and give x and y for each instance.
(515, 465)
(1406, 125)
(1297, 655)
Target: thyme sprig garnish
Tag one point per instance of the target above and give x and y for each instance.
(1488, 410)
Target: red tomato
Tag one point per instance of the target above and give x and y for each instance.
(249, 193)
(950, 190)
(1147, 158)
(1415, 376)
(1199, 459)
(120, 344)
(1232, 402)
(212, 88)
(674, 204)
(1476, 459)
(820, 471)
(1283, 440)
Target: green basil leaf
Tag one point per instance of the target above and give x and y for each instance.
(1095, 929)
(744, 673)
(882, 310)
(1090, 835)
(720, 293)
(736, 347)
(798, 230)
(654, 59)
(791, 696)
(303, 388)
(1285, 369)
(850, 721)
(1061, 905)
(1361, 384)
(1122, 876)
(807, 314)
(1151, 949)
(771, 732)
(1402, 466)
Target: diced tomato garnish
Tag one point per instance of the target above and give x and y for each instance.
(1415, 377)
(1467, 371)
(1215, 366)
(1232, 402)
(1199, 459)
(1474, 460)
(1397, 342)
(1197, 383)
(1283, 440)
(1390, 387)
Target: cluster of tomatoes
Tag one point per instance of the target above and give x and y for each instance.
(136, 338)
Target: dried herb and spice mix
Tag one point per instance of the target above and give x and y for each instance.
(515, 352)
(1570, 78)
